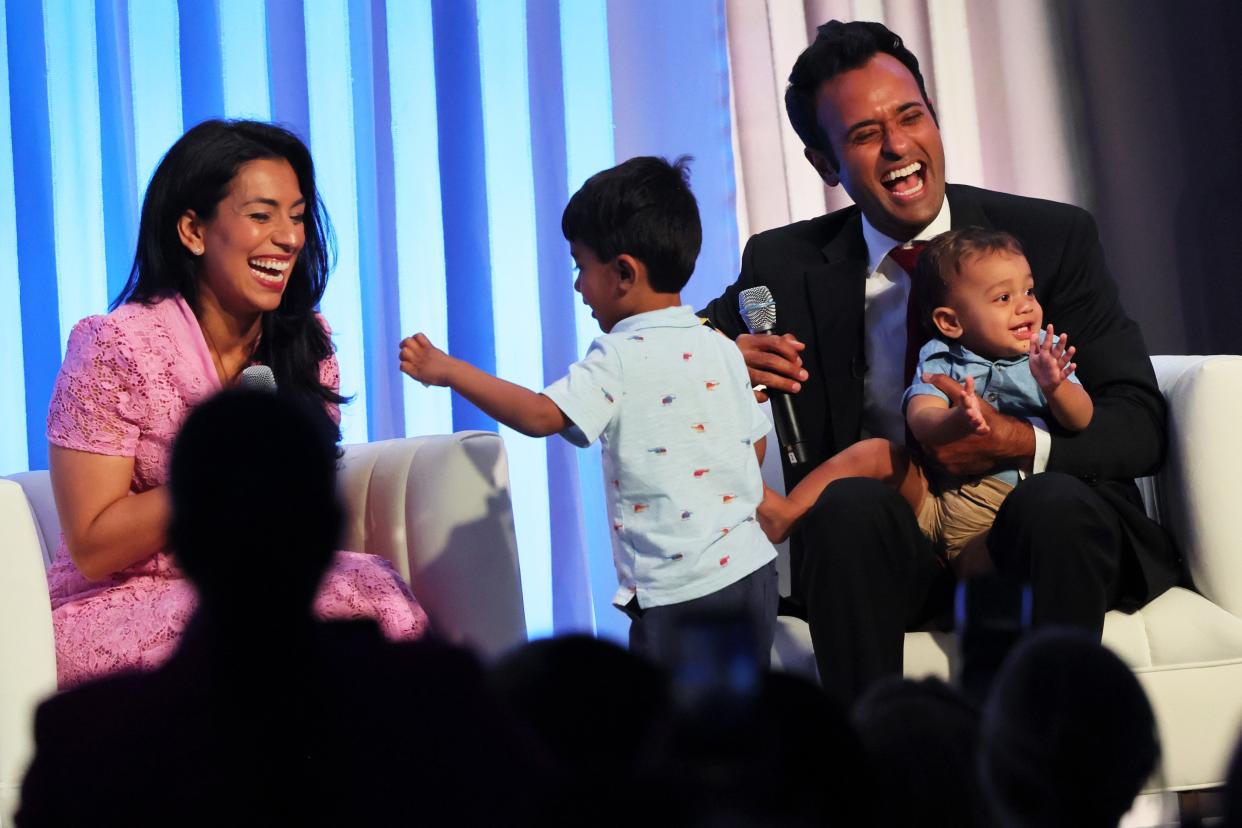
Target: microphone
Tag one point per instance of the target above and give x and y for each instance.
(759, 311)
(257, 378)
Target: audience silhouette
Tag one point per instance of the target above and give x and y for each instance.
(922, 738)
(1068, 737)
(594, 708)
(785, 756)
(266, 715)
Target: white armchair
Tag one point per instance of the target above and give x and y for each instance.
(1185, 646)
(437, 507)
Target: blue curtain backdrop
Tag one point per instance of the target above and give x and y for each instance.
(448, 135)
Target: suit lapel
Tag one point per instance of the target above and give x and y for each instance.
(835, 292)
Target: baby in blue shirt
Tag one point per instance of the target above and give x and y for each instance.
(976, 296)
(670, 402)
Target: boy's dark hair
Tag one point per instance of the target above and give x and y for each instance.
(642, 207)
(943, 258)
(839, 47)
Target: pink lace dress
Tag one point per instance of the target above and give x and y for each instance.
(128, 381)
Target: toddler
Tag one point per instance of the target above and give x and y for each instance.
(668, 399)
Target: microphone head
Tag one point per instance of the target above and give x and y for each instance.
(258, 378)
(758, 309)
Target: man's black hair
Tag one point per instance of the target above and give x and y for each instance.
(643, 207)
(839, 47)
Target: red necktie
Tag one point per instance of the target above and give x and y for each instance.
(906, 258)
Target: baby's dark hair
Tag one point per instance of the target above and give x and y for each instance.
(942, 259)
(642, 207)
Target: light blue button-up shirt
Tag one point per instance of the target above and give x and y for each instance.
(1005, 384)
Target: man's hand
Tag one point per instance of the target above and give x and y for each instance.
(424, 361)
(773, 361)
(1051, 361)
(1009, 442)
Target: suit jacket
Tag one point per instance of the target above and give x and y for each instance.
(817, 272)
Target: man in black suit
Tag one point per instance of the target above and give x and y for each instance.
(1075, 529)
(265, 715)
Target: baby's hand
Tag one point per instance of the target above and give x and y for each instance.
(1051, 361)
(969, 406)
(424, 361)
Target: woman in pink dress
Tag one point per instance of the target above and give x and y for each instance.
(232, 261)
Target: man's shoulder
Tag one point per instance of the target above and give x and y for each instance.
(1004, 209)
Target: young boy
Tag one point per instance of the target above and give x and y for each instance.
(976, 296)
(668, 399)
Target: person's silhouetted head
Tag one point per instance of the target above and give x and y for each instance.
(786, 755)
(1068, 736)
(922, 738)
(564, 686)
(570, 693)
(255, 516)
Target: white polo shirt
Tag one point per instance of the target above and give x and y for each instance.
(670, 402)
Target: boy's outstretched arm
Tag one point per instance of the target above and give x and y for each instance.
(1052, 365)
(521, 409)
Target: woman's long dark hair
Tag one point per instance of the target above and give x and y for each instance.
(195, 175)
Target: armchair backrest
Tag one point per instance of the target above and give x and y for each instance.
(438, 508)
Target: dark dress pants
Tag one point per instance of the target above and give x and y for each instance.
(868, 574)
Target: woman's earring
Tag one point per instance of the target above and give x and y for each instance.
(198, 251)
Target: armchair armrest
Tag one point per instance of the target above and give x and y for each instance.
(438, 508)
(1197, 492)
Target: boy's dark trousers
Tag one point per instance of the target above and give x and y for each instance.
(660, 632)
